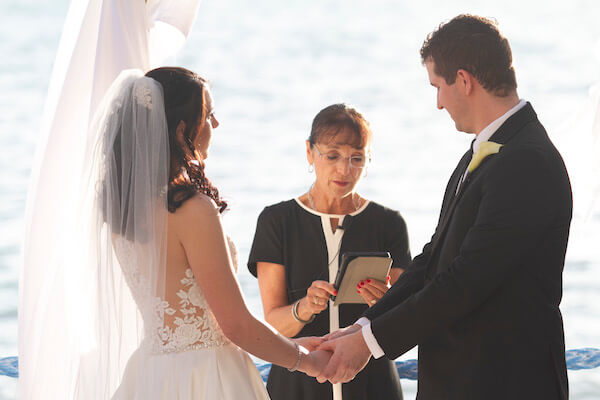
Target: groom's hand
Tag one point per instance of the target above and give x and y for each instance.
(342, 332)
(350, 355)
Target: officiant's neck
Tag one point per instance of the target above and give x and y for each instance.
(489, 108)
(331, 203)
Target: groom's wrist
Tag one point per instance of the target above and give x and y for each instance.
(371, 341)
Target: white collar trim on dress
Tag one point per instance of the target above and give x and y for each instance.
(310, 210)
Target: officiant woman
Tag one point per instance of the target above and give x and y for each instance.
(297, 246)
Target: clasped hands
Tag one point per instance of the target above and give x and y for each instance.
(338, 356)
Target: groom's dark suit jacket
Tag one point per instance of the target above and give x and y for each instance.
(482, 300)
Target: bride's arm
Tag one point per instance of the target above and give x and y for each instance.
(199, 230)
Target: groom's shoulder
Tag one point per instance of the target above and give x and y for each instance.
(532, 147)
(529, 158)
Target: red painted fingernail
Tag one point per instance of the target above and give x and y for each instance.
(335, 292)
(368, 281)
(388, 278)
(358, 291)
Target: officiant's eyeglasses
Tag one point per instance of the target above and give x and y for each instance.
(333, 157)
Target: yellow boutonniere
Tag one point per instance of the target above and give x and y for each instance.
(485, 149)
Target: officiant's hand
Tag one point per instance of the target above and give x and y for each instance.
(372, 290)
(317, 297)
(350, 355)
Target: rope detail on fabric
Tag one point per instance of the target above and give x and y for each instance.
(577, 359)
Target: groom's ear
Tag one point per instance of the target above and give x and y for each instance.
(465, 81)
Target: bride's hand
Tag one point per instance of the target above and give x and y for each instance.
(309, 342)
(314, 362)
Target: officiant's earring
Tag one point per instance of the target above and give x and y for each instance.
(311, 169)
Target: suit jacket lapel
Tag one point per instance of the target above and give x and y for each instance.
(452, 196)
(450, 199)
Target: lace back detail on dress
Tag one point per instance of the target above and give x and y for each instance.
(182, 320)
(190, 324)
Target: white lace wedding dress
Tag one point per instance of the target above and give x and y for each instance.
(188, 356)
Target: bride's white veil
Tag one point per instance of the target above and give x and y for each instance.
(124, 198)
(65, 317)
(109, 260)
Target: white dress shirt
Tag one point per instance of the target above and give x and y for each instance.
(483, 136)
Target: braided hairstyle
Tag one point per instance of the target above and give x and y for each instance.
(184, 98)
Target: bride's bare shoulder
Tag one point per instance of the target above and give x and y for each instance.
(196, 220)
(197, 205)
(197, 210)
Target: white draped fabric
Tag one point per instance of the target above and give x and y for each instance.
(60, 310)
(595, 97)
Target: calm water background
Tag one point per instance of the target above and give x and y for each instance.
(274, 65)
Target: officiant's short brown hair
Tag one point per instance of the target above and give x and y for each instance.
(474, 44)
(341, 121)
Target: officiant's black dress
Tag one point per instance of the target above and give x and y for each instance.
(292, 235)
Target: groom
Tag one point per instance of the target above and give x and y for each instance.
(482, 299)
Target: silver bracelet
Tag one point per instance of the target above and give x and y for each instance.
(295, 367)
(297, 317)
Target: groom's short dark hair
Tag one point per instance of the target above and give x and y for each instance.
(476, 45)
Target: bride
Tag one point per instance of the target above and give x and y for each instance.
(163, 218)
(157, 264)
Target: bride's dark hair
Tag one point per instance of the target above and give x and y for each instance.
(184, 97)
